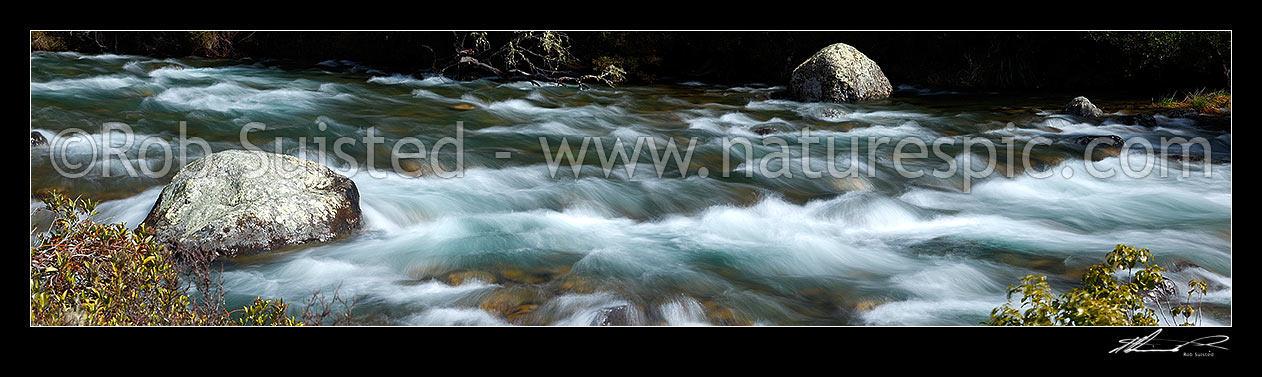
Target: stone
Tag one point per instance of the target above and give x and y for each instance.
(580, 285)
(512, 303)
(721, 316)
(158, 66)
(413, 168)
(458, 278)
(1081, 106)
(1111, 141)
(839, 73)
(1211, 122)
(237, 202)
(37, 139)
(829, 113)
(1145, 120)
(612, 316)
(1184, 265)
(1181, 113)
(534, 276)
(1189, 158)
(866, 305)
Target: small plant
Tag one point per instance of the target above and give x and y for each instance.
(1196, 287)
(1103, 300)
(267, 313)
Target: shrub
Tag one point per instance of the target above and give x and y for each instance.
(1103, 300)
(86, 273)
(218, 44)
(267, 313)
(45, 41)
(534, 55)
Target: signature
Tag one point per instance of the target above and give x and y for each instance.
(1151, 343)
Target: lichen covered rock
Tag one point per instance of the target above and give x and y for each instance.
(234, 203)
(839, 73)
(1081, 106)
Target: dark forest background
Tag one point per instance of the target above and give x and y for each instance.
(1147, 61)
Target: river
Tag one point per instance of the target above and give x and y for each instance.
(710, 244)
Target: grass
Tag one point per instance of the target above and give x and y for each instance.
(1202, 100)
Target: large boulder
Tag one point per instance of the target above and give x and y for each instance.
(1081, 106)
(839, 73)
(236, 202)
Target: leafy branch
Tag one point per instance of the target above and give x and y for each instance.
(1103, 300)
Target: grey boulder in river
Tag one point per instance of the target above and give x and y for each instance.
(238, 202)
(839, 73)
(1081, 106)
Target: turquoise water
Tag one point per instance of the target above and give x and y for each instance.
(679, 248)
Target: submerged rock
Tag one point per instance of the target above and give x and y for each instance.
(839, 73)
(535, 275)
(1081, 106)
(1186, 158)
(829, 113)
(513, 304)
(158, 66)
(458, 278)
(1145, 120)
(577, 284)
(235, 202)
(1220, 123)
(721, 316)
(1104, 140)
(1181, 113)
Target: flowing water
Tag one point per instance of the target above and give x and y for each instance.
(509, 242)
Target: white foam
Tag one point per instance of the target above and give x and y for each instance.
(130, 211)
(684, 311)
(409, 80)
(95, 83)
(230, 96)
(454, 317)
